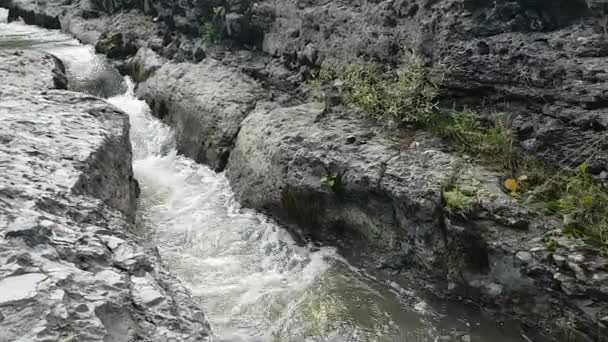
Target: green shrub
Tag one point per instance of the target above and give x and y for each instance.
(412, 97)
(494, 143)
(329, 181)
(211, 27)
(581, 198)
(457, 201)
(405, 96)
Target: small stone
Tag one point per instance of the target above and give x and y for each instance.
(146, 292)
(600, 277)
(524, 257)
(109, 277)
(578, 271)
(351, 140)
(559, 260)
(494, 290)
(309, 55)
(82, 308)
(57, 295)
(576, 257)
(21, 287)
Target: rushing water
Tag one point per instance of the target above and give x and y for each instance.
(254, 282)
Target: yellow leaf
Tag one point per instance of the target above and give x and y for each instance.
(511, 185)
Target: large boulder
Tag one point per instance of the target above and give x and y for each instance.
(72, 266)
(205, 103)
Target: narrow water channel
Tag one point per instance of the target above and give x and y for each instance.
(254, 282)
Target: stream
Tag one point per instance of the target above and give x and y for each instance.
(254, 282)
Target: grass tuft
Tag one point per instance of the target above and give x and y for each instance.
(458, 201)
(403, 96)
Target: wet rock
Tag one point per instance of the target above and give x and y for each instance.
(70, 262)
(114, 46)
(524, 257)
(144, 64)
(205, 103)
(32, 71)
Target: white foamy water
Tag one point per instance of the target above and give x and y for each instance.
(254, 282)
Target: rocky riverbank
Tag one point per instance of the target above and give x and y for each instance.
(375, 192)
(73, 267)
(386, 206)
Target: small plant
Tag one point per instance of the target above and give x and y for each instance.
(551, 244)
(212, 28)
(458, 201)
(581, 199)
(494, 143)
(405, 95)
(413, 95)
(329, 181)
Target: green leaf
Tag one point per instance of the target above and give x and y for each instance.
(588, 201)
(553, 206)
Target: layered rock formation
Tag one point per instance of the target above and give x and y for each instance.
(206, 115)
(541, 64)
(73, 268)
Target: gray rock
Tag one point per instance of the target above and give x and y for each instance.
(524, 257)
(144, 64)
(71, 266)
(205, 103)
(386, 209)
(22, 71)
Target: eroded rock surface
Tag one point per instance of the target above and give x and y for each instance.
(72, 267)
(386, 207)
(205, 103)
